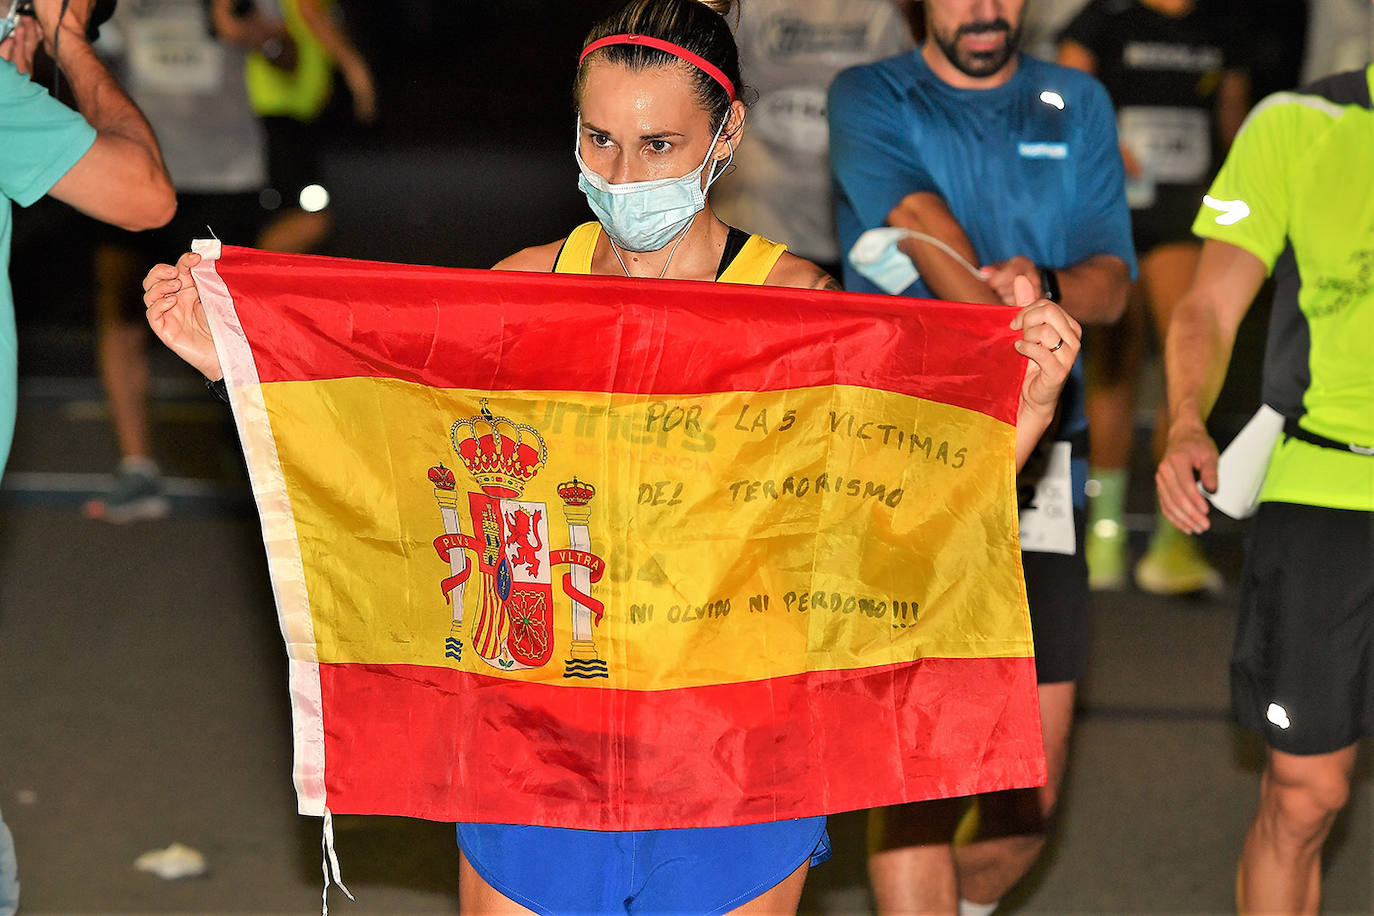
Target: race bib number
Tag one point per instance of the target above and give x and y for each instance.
(1173, 144)
(175, 56)
(1047, 523)
(793, 119)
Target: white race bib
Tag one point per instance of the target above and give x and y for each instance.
(793, 119)
(175, 55)
(1174, 145)
(1047, 523)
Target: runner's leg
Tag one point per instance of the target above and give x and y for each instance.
(121, 348)
(1114, 355)
(476, 896)
(1174, 563)
(1013, 825)
(910, 859)
(783, 897)
(1300, 796)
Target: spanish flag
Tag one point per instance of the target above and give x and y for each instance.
(628, 554)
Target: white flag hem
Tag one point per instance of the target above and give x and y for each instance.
(278, 526)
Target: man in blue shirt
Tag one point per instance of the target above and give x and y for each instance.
(960, 166)
(103, 161)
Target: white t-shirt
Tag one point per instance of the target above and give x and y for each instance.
(1041, 23)
(190, 87)
(790, 51)
(1340, 37)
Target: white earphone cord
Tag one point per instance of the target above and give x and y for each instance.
(930, 239)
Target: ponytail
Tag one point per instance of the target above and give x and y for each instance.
(722, 8)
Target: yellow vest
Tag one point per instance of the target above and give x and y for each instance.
(750, 266)
(300, 93)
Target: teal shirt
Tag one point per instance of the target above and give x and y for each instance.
(40, 139)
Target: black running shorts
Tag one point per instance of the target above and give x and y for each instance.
(293, 160)
(1057, 589)
(232, 218)
(1302, 670)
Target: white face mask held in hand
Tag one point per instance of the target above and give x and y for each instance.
(877, 258)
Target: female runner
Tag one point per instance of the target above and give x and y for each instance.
(659, 118)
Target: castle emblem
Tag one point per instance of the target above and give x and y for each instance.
(512, 625)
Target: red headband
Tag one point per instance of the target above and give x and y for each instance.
(696, 60)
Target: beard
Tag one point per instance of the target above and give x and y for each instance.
(979, 64)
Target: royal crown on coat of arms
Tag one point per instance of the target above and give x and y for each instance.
(513, 627)
(576, 493)
(500, 454)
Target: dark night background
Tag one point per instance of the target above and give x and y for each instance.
(470, 158)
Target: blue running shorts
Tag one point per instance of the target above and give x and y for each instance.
(555, 870)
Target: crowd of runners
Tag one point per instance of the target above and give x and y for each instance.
(1148, 184)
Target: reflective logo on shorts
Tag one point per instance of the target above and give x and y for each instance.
(1277, 715)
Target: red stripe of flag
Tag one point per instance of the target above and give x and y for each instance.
(481, 748)
(511, 331)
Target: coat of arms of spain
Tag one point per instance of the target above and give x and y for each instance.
(512, 625)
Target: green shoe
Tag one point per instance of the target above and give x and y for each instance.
(136, 496)
(1175, 566)
(1105, 551)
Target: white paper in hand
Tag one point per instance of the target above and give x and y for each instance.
(1241, 468)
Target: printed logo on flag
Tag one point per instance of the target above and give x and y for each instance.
(513, 624)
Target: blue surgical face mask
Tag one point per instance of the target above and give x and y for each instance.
(877, 258)
(875, 255)
(647, 215)
(9, 19)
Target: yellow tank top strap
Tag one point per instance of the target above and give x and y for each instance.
(753, 263)
(576, 256)
(751, 266)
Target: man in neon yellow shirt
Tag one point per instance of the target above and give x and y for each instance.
(1296, 197)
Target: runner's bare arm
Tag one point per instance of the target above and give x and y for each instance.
(121, 179)
(1197, 351)
(1093, 290)
(1233, 104)
(247, 29)
(927, 212)
(799, 273)
(352, 65)
(1073, 54)
(826, 282)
